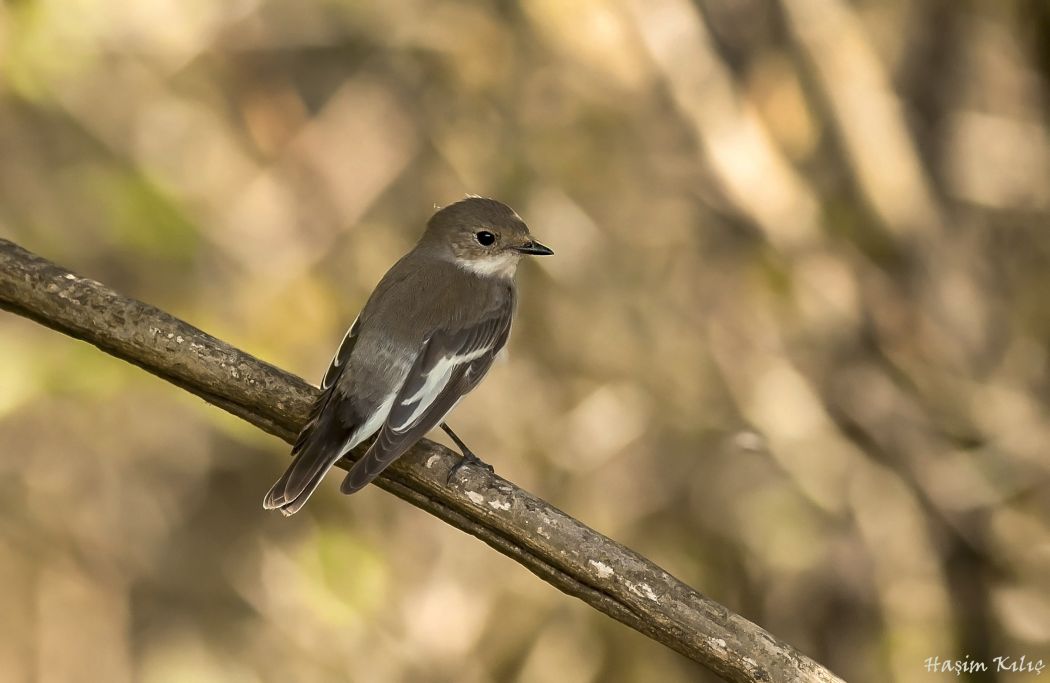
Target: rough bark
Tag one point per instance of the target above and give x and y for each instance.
(556, 547)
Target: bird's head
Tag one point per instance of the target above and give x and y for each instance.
(483, 236)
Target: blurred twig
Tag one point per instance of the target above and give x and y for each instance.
(550, 543)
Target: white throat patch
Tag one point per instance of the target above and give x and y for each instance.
(501, 265)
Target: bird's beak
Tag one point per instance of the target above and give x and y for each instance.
(534, 248)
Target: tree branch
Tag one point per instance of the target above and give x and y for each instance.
(557, 548)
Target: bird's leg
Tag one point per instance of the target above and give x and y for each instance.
(468, 455)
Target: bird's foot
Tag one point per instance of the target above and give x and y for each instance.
(468, 456)
(468, 459)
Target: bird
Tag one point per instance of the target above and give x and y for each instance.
(425, 338)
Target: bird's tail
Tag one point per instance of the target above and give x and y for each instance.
(319, 447)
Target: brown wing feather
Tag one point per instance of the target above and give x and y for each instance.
(409, 420)
(313, 449)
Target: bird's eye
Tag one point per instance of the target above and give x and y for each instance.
(485, 238)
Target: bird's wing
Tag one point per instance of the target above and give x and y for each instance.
(450, 364)
(335, 369)
(342, 357)
(322, 433)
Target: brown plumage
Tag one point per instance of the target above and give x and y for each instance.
(427, 335)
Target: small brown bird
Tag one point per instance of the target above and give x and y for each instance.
(427, 335)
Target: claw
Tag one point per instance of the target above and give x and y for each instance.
(468, 459)
(468, 456)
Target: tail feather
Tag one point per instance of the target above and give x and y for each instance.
(303, 476)
(318, 448)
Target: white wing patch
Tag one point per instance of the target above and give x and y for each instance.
(337, 360)
(436, 379)
(371, 425)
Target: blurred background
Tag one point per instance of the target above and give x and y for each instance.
(793, 345)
